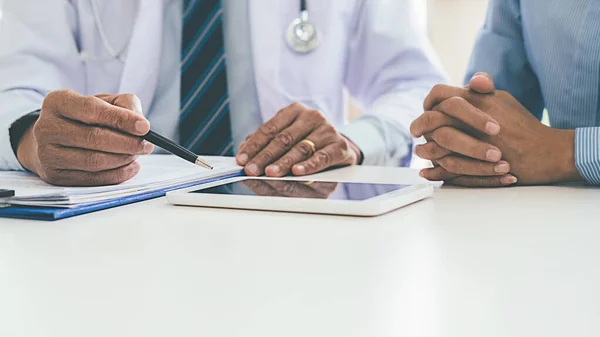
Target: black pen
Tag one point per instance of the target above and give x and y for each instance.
(176, 149)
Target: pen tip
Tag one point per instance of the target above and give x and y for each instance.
(203, 163)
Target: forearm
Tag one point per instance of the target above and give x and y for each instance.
(382, 133)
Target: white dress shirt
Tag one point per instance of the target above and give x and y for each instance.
(382, 133)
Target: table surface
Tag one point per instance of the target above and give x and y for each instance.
(486, 262)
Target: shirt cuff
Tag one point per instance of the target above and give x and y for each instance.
(368, 138)
(15, 105)
(18, 129)
(587, 153)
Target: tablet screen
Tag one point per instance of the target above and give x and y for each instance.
(303, 189)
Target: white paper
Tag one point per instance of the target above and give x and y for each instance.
(157, 172)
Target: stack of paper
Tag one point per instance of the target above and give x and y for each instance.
(158, 172)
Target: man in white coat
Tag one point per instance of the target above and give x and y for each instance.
(82, 80)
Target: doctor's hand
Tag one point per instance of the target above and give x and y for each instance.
(86, 141)
(297, 140)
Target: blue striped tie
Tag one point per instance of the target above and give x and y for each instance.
(204, 124)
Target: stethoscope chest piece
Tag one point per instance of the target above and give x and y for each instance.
(302, 35)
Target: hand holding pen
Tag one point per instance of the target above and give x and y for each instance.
(87, 140)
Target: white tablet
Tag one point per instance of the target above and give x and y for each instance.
(319, 197)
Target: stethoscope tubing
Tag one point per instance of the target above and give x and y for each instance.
(295, 41)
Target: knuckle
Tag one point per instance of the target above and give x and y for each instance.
(425, 151)
(95, 161)
(285, 139)
(265, 156)
(453, 103)
(286, 162)
(323, 158)
(449, 164)
(438, 90)
(134, 146)
(443, 137)
(52, 100)
(316, 115)
(128, 97)
(269, 129)
(343, 146)
(251, 147)
(426, 118)
(89, 105)
(93, 137)
(436, 150)
(296, 105)
(329, 129)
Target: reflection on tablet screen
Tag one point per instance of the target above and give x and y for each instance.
(303, 189)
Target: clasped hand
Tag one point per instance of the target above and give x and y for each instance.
(479, 136)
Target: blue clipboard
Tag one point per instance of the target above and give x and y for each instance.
(53, 214)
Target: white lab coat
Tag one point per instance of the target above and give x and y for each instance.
(39, 54)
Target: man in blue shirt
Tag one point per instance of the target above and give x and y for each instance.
(539, 54)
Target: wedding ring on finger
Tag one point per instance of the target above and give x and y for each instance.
(312, 145)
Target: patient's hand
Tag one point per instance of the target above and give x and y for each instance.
(479, 136)
(297, 140)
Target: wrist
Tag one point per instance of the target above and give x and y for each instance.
(358, 153)
(27, 151)
(563, 162)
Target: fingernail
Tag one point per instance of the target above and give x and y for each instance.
(493, 155)
(148, 147)
(509, 180)
(275, 169)
(492, 128)
(421, 174)
(502, 168)
(243, 158)
(142, 126)
(301, 169)
(253, 169)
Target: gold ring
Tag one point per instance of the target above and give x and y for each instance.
(312, 145)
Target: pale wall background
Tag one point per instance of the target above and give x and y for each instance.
(453, 26)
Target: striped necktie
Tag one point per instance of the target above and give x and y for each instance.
(204, 124)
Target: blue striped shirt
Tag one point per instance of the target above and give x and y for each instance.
(546, 53)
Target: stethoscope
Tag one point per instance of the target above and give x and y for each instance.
(302, 34)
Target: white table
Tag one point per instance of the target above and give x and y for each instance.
(510, 262)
